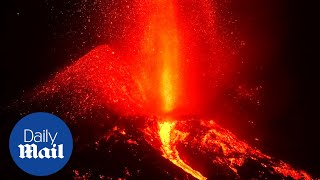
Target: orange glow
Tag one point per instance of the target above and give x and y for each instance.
(167, 91)
(165, 25)
(169, 136)
(160, 49)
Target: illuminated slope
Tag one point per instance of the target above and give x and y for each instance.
(98, 78)
(207, 140)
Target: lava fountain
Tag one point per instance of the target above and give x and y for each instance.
(162, 40)
(159, 53)
(166, 38)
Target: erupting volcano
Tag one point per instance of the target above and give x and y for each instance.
(153, 88)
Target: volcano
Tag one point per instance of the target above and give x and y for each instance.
(138, 107)
(91, 93)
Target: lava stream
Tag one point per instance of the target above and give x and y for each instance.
(169, 150)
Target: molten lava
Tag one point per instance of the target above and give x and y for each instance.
(168, 139)
(210, 141)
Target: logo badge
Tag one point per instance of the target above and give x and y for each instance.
(41, 144)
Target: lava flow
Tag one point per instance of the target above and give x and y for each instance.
(211, 142)
(177, 59)
(169, 148)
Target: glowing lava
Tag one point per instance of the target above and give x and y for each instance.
(160, 49)
(166, 37)
(216, 144)
(168, 139)
(161, 40)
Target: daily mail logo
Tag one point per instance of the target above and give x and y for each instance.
(41, 144)
(32, 151)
